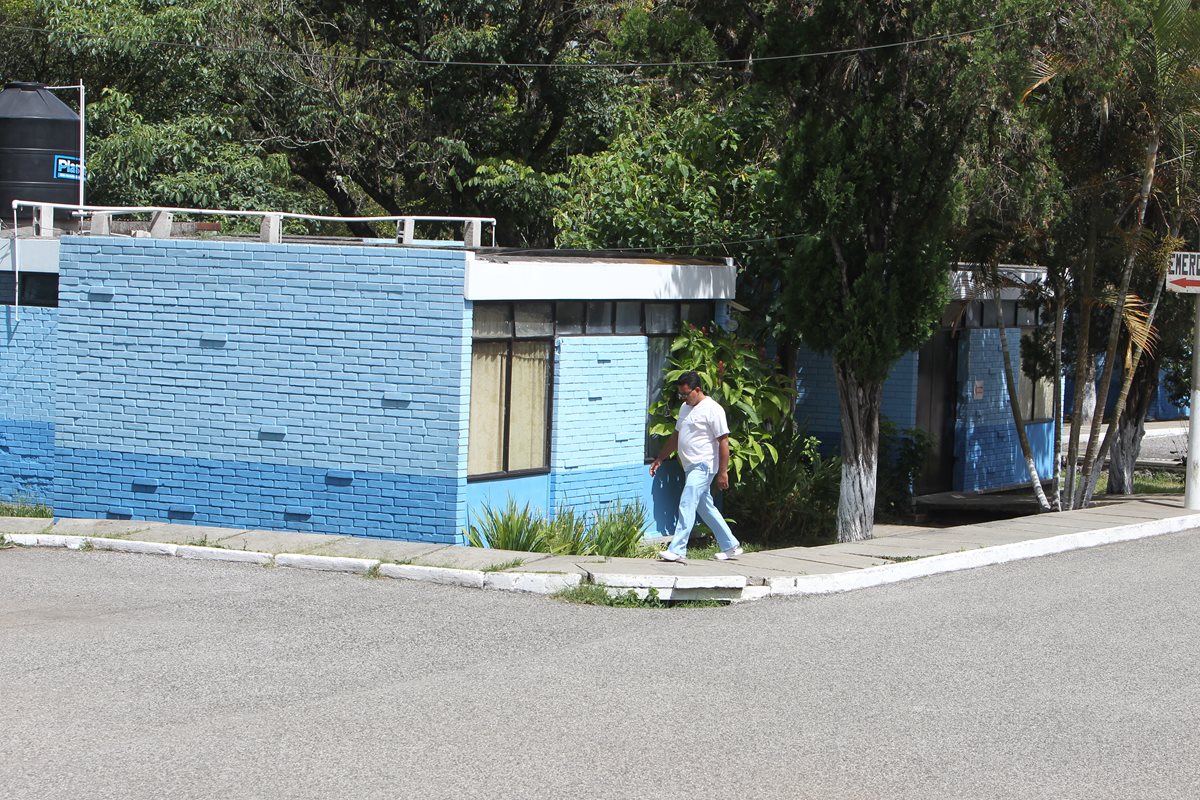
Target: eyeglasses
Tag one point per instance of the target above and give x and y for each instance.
(684, 394)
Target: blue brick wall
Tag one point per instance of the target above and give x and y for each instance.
(986, 448)
(599, 424)
(238, 375)
(27, 385)
(817, 409)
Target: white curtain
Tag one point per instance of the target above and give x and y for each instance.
(485, 445)
(530, 390)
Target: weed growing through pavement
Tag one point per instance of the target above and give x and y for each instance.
(503, 565)
(898, 559)
(5, 543)
(373, 572)
(86, 546)
(591, 594)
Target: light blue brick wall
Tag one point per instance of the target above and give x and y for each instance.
(987, 450)
(599, 425)
(27, 385)
(817, 409)
(238, 375)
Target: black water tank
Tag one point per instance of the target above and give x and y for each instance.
(39, 149)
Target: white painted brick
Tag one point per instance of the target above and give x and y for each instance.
(641, 581)
(222, 554)
(710, 582)
(325, 563)
(451, 577)
(123, 546)
(535, 582)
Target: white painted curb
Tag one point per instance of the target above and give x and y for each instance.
(471, 578)
(982, 557)
(45, 540)
(535, 582)
(222, 554)
(325, 563)
(622, 581)
(123, 546)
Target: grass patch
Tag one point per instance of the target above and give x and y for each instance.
(590, 594)
(1148, 481)
(16, 508)
(86, 546)
(503, 565)
(204, 542)
(897, 559)
(372, 573)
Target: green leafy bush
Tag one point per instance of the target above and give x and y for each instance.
(755, 396)
(791, 501)
(902, 456)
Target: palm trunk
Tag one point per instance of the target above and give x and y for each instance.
(1082, 356)
(1014, 405)
(1059, 313)
(1131, 427)
(860, 402)
(1122, 398)
(1090, 469)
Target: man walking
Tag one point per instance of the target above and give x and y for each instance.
(702, 438)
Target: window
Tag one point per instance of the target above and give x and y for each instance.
(512, 370)
(510, 389)
(37, 289)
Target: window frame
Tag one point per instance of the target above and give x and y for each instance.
(511, 306)
(509, 341)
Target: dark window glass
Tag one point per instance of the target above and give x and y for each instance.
(37, 289)
(629, 317)
(570, 317)
(662, 318)
(493, 321)
(699, 314)
(535, 319)
(599, 317)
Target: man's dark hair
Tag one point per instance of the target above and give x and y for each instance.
(691, 379)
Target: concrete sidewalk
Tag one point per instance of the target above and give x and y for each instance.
(897, 553)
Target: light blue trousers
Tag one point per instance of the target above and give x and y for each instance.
(697, 498)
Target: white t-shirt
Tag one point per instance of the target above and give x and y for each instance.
(699, 428)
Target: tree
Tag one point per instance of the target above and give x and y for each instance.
(870, 167)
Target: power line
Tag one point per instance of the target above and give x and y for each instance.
(527, 65)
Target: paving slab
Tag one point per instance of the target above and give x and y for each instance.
(899, 550)
(649, 566)
(107, 528)
(175, 533)
(25, 524)
(382, 549)
(767, 565)
(275, 541)
(477, 557)
(563, 564)
(825, 555)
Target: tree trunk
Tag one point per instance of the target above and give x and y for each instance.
(1127, 442)
(1059, 313)
(1014, 403)
(1091, 464)
(1082, 355)
(1087, 409)
(860, 401)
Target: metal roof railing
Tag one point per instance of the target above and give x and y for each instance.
(272, 221)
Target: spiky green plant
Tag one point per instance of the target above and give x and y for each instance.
(568, 533)
(510, 529)
(617, 529)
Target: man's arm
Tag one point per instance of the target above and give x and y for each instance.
(723, 471)
(667, 448)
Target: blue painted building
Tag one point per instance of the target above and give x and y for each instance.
(953, 389)
(361, 388)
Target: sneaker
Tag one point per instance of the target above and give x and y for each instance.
(667, 555)
(725, 555)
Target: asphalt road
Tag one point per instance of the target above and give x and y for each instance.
(1074, 676)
